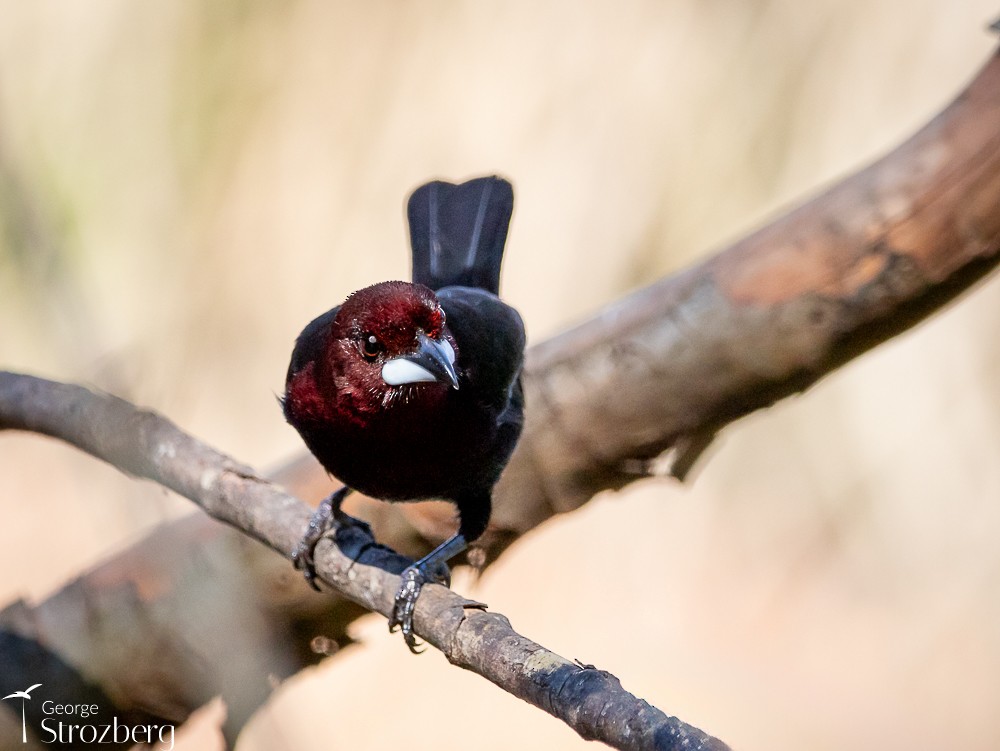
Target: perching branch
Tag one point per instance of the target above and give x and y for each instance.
(661, 370)
(143, 444)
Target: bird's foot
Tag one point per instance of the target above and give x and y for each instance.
(326, 516)
(414, 578)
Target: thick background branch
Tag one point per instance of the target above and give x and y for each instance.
(770, 315)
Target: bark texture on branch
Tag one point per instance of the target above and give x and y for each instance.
(662, 369)
(668, 365)
(149, 446)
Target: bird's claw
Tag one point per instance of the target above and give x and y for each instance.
(326, 516)
(302, 559)
(303, 555)
(413, 580)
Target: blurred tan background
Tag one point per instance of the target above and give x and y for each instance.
(183, 185)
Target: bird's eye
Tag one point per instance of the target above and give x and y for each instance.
(371, 347)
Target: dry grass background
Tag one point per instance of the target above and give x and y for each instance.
(183, 185)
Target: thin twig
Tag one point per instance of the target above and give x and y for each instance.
(147, 445)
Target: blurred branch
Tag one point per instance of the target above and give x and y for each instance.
(770, 315)
(660, 371)
(146, 445)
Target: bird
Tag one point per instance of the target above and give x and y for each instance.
(23, 696)
(411, 391)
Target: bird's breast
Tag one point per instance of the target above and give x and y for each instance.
(421, 445)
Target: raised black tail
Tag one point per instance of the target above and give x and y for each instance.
(458, 232)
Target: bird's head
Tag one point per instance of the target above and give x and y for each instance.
(388, 339)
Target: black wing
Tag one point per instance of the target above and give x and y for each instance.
(458, 232)
(490, 337)
(309, 345)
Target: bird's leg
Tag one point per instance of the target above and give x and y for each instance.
(433, 567)
(323, 519)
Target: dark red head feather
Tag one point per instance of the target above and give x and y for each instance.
(394, 312)
(339, 377)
